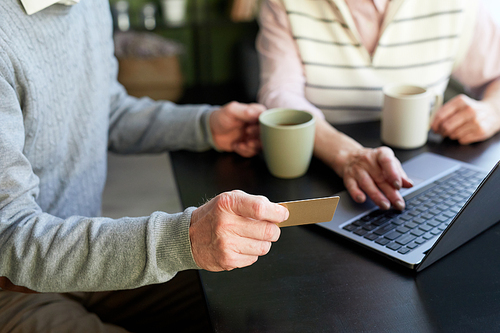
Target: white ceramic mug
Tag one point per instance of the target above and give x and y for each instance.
(407, 114)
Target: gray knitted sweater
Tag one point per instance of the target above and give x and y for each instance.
(61, 109)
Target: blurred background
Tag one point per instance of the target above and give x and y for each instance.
(211, 42)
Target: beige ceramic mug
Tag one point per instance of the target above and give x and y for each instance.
(287, 137)
(407, 114)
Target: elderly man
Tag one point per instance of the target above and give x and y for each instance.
(61, 109)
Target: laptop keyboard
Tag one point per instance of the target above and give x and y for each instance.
(428, 212)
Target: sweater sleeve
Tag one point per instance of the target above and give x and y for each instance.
(50, 254)
(481, 64)
(140, 125)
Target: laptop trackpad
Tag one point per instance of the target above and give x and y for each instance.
(427, 166)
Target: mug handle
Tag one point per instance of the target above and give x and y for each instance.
(438, 101)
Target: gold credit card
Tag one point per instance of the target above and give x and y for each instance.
(310, 211)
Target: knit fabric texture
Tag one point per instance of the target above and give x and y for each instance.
(61, 109)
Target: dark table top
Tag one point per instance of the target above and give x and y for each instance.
(315, 281)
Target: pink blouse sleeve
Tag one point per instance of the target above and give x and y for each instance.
(281, 72)
(481, 64)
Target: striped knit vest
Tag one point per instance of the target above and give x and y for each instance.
(420, 43)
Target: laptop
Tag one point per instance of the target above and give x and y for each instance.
(450, 203)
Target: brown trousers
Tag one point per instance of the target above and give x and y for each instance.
(175, 306)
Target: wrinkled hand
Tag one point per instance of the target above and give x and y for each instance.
(235, 127)
(376, 172)
(466, 120)
(233, 229)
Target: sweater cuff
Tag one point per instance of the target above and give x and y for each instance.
(173, 248)
(205, 118)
